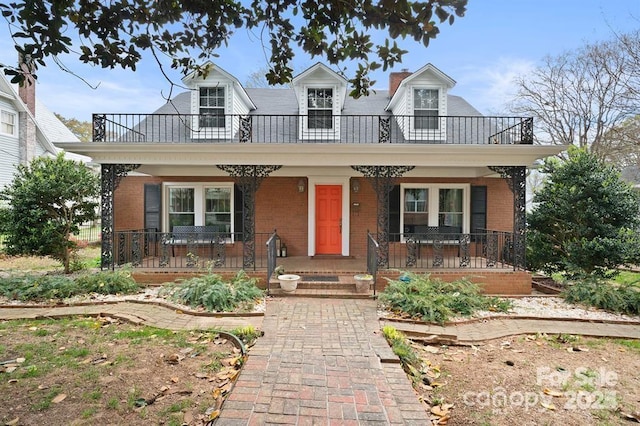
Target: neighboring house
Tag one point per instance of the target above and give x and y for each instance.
(410, 178)
(27, 129)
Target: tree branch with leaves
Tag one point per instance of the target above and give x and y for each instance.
(116, 33)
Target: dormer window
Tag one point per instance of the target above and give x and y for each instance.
(212, 108)
(320, 108)
(425, 108)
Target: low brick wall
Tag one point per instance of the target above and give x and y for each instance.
(492, 282)
(157, 278)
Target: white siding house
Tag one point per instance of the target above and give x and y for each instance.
(26, 134)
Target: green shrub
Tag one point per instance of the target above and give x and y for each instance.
(51, 287)
(214, 294)
(434, 300)
(108, 282)
(622, 298)
(37, 287)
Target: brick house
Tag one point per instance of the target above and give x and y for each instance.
(229, 177)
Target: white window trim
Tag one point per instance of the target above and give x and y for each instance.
(15, 122)
(319, 134)
(426, 134)
(230, 122)
(434, 201)
(198, 200)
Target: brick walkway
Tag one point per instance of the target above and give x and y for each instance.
(324, 361)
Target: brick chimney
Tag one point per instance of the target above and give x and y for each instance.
(395, 78)
(27, 127)
(27, 90)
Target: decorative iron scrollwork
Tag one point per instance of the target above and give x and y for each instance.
(516, 177)
(465, 243)
(527, 131)
(491, 249)
(164, 256)
(412, 251)
(245, 128)
(438, 250)
(248, 178)
(384, 130)
(136, 250)
(99, 127)
(111, 174)
(219, 254)
(382, 178)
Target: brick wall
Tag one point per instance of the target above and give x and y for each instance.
(492, 281)
(280, 206)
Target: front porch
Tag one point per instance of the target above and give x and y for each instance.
(484, 258)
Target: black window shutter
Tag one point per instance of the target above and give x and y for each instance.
(394, 214)
(478, 209)
(237, 209)
(152, 206)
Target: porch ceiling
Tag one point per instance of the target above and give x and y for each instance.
(162, 155)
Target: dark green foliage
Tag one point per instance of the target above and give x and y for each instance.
(38, 287)
(215, 294)
(584, 220)
(117, 33)
(108, 282)
(434, 300)
(49, 199)
(623, 298)
(56, 287)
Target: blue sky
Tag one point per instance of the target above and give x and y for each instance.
(483, 51)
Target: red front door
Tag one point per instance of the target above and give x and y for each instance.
(328, 219)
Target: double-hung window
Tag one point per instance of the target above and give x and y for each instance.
(425, 109)
(445, 206)
(212, 107)
(320, 108)
(8, 123)
(200, 204)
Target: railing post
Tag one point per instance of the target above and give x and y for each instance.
(99, 127)
(271, 258)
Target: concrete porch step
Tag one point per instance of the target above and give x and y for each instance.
(315, 285)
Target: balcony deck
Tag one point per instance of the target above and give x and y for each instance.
(284, 129)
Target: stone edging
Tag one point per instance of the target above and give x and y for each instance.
(508, 317)
(142, 302)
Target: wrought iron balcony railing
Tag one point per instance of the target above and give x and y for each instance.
(343, 129)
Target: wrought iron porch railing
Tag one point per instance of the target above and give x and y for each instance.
(373, 249)
(145, 248)
(272, 253)
(343, 129)
(484, 250)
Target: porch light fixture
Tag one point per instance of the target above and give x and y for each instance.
(301, 185)
(355, 185)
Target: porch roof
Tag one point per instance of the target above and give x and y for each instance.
(198, 159)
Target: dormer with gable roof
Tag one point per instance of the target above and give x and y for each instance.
(218, 103)
(419, 103)
(320, 93)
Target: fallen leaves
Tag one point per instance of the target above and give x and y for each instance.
(440, 414)
(59, 398)
(551, 392)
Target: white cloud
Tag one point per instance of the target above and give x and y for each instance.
(491, 86)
